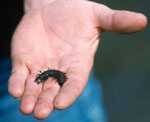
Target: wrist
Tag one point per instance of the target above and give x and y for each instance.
(35, 4)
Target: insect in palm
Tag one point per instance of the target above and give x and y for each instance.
(58, 75)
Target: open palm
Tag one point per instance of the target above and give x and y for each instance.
(61, 36)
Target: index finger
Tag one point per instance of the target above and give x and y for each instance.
(77, 75)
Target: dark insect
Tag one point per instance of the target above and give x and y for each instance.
(60, 76)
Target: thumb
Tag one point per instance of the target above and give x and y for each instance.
(119, 20)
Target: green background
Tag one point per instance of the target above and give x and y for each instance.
(122, 63)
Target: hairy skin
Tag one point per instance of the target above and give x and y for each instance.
(61, 35)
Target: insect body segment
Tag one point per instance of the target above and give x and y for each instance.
(58, 75)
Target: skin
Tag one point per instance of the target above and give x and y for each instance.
(62, 35)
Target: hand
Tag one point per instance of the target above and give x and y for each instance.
(62, 35)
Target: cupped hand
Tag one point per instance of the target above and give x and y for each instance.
(62, 35)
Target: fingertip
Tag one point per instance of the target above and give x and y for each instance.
(42, 110)
(26, 109)
(15, 93)
(27, 104)
(14, 89)
(128, 22)
(64, 100)
(59, 105)
(142, 21)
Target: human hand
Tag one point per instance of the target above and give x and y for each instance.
(62, 35)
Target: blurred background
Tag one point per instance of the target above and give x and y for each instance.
(11, 12)
(122, 63)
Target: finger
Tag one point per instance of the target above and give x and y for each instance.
(119, 21)
(30, 95)
(44, 105)
(73, 87)
(17, 79)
